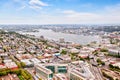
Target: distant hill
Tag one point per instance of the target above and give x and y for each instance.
(108, 28)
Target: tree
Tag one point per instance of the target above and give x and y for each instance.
(1, 39)
(107, 76)
(111, 66)
(3, 73)
(104, 50)
(103, 63)
(23, 64)
(100, 62)
(26, 75)
(64, 52)
(18, 71)
(18, 64)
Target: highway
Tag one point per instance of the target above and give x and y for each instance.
(96, 72)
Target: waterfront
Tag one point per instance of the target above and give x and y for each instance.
(51, 35)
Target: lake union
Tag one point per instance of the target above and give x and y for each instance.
(51, 35)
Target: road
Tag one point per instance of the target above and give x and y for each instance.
(96, 72)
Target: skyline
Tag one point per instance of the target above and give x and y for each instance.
(60, 12)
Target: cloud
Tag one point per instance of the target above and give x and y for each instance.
(33, 4)
(71, 13)
(21, 8)
(81, 16)
(113, 10)
(108, 15)
(37, 4)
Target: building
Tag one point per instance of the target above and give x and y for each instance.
(9, 77)
(60, 77)
(65, 58)
(79, 70)
(23, 56)
(114, 52)
(83, 55)
(11, 65)
(43, 73)
(56, 54)
(61, 40)
(35, 60)
(57, 68)
(2, 66)
(74, 50)
(27, 62)
(117, 64)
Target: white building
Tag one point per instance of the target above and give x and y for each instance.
(79, 70)
(43, 73)
(60, 77)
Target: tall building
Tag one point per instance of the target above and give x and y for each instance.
(43, 73)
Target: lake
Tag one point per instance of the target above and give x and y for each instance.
(51, 35)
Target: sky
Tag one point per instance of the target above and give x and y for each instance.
(59, 11)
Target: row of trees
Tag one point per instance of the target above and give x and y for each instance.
(107, 76)
(21, 64)
(114, 55)
(26, 75)
(104, 50)
(7, 71)
(20, 72)
(114, 68)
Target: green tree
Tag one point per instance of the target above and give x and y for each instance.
(18, 71)
(104, 50)
(100, 62)
(23, 64)
(3, 73)
(18, 64)
(64, 52)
